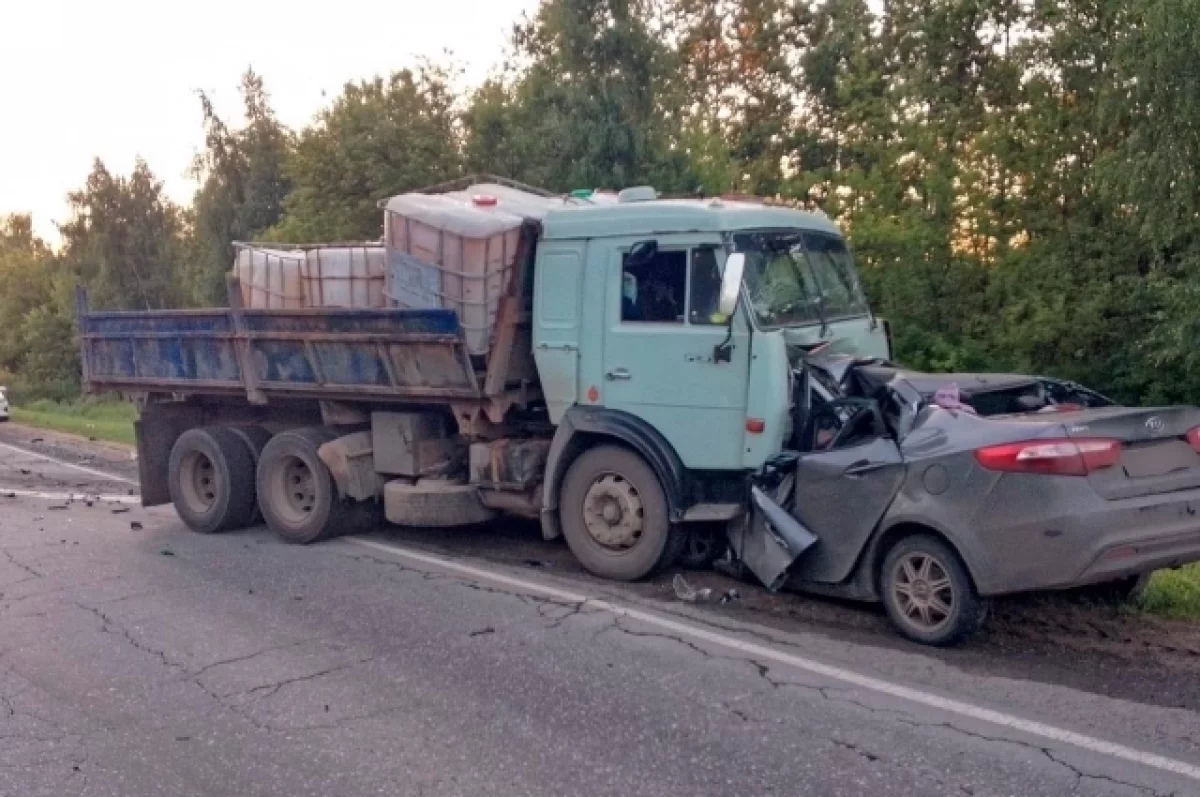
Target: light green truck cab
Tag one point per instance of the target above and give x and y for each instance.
(639, 368)
(595, 349)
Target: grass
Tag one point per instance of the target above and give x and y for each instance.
(103, 419)
(1174, 594)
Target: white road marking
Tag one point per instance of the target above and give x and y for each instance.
(764, 653)
(838, 673)
(83, 468)
(59, 496)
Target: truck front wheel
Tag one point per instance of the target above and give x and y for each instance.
(296, 492)
(211, 478)
(614, 515)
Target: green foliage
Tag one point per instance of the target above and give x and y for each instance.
(38, 351)
(106, 418)
(1173, 593)
(124, 240)
(589, 105)
(242, 188)
(379, 138)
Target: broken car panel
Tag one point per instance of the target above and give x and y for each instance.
(994, 483)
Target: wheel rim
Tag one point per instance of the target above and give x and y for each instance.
(294, 489)
(922, 591)
(198, 482)
(613, 513)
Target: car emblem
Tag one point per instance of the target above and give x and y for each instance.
(1154, 424)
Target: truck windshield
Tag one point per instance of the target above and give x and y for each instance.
(796, 278)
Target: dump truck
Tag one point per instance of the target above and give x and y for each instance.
(618, 366)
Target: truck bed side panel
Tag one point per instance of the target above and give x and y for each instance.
(324, 354)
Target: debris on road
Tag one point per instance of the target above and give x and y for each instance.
(120, 510)
(686, 593)
(167, 552)
(135, 526)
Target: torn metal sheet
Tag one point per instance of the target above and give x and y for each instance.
(771, 539)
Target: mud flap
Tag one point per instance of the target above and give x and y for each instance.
(770, 539)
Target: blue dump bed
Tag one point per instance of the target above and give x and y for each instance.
(344, 355)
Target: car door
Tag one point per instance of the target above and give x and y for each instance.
(840, 495)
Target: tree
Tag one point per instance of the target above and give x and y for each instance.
(378, 139)
(124, 240)
(242, 187)
(586, 105)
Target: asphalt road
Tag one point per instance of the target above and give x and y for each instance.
(137, 658)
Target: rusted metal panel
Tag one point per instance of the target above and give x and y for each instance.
(508, 464)
(323, 354)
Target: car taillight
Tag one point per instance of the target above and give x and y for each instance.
(1193, 437)
(1051, 457)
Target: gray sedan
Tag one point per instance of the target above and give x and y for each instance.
(932, 493)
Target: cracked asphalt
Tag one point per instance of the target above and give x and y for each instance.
(137, 658)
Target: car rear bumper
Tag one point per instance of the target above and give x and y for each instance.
(1085, 541)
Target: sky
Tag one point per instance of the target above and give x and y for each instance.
(117, 79)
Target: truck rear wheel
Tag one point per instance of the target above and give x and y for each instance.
(256, 439)
(296, 492)
(614, 515)
(211, 479)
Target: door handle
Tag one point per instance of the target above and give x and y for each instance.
(863, 466)
(618, 373)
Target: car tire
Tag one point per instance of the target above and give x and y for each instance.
(210, 475)
(705, 544)
(296, 492)
(927, 592)
(614, 515)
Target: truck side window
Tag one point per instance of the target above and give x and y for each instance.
(705, 287)
(655, 292)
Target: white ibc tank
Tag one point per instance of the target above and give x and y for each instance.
(458, 251)
(270, 278)
(344, 276)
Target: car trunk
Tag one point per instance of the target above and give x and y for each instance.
(1156, 456)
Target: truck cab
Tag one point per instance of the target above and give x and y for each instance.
(632, 345)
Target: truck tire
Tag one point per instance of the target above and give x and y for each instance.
(210, 475)
(614, 515)
(434, 503)
(296, 492)
(255, 439)
(928, 593)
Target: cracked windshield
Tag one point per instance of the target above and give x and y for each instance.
(600, 398)
(795, 279)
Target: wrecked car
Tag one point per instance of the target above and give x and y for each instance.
(933, 492)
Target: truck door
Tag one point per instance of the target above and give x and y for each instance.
(658, 363)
